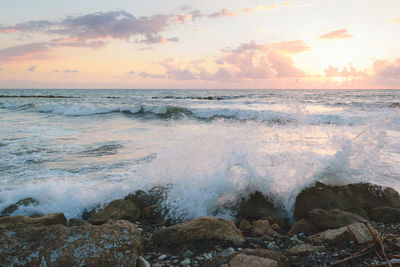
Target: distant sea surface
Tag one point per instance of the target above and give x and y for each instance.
(76, 149)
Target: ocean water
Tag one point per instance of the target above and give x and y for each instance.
(76, 149)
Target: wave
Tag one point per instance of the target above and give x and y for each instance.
(178, 112)
(200, 97)
(37, 96)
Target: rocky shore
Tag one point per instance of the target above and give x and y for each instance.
(352, 225)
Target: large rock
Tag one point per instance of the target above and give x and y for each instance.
(116, 243)
(332, 219)
(243, 260)
(45, 220)
(350, 197)
(23, 202)
(356, 232)
(386, 214)
(119, 209)
(255, 206)
(204, 228)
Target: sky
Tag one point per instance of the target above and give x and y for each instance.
(203, 44)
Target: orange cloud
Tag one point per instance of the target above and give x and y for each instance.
(394, 21)
(338, 34)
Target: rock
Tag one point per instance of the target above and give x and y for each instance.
(282, 222)
(395, 105)
(225, 258)
(116, 243)
(48, 219)
(305, 249)
(245, 225)
(357, 232)
(75, 222)
(263, 228)
(23, 202)
(117, 210)
(142, 262)
(153, 215)
(255, 206)
(386, 214)
(204, 228)
(278, 229)
(301, 226)
(363, 196)
(243, 260)
(332, 219)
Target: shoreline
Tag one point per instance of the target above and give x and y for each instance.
(331, 228)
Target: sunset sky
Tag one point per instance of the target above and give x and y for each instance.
(200, 44)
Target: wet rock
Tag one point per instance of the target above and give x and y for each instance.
(152, 214)
(243, 260)
(48, 219)
(301, 226)
(204, 228)
(305, 249)
(356, 232)
(262, 228)
(361, 196)
(332, 219)
(395, 105)
(386, 214)
(117, 210)
(115, 243)
(255, 206)
(23, 202)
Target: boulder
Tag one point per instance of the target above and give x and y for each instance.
(117, 210)
(304, 249)
(204, 228)
(361, 196)
(301, 226)
(23, 202)
(263, 228)
(243, 260)
(45, 220)
(116, 243)
(255, 206)
(386, 214)
(356, 232)
(332, 219)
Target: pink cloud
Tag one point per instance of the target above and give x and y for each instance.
(338, 34)
(249, 61)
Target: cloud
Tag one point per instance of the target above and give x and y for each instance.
(1, 69)
(145, 74)
(348, 71)
(387, 70)
(101, 25)
(227, 12)
(248, 61)
(32, 68)
(35, 51)
(338, 34)
(71, 71)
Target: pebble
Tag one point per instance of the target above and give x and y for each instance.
(162, 257)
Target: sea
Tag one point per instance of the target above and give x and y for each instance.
(75, 150)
